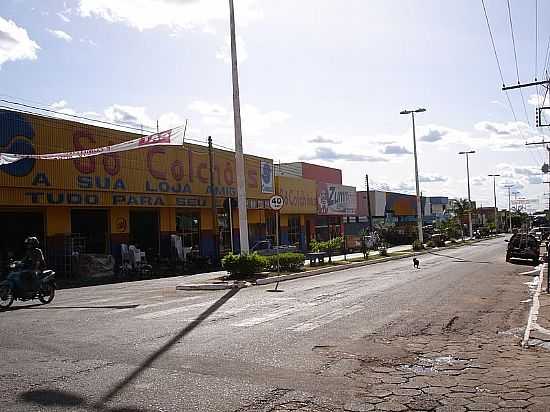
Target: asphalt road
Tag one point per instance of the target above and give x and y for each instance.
(145, 346)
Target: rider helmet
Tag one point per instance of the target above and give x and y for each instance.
(32, 242)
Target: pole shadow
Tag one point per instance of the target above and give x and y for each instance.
(50, 397)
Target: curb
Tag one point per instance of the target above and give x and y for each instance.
(534, 311)
(214, 286)
(282, 278)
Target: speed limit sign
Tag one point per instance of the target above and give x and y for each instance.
(276, 202)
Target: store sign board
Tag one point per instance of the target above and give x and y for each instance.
(300, 195)
(266, 174)
(335, 199)
(75, 198)
(151, 170)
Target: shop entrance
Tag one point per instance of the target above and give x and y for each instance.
(16, 226)
(144, 231)
(93, 226)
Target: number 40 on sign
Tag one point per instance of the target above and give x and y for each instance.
(276, 202)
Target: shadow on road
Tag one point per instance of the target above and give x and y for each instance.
(61, 398)
(41, 306)
(56, 398)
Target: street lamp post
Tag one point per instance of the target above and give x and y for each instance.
(239, 156)
(469, 200)
(509, 187)
(418, 201)
(495, 195)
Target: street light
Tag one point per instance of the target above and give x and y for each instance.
(418, 202)
(469, 200)
(509, 187)
(495, 194)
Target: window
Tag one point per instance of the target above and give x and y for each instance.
(294, 230)
(188, 226)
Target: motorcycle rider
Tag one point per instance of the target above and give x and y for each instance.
(33, 262)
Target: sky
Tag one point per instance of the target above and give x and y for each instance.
(321, 81)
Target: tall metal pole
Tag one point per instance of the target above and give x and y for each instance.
(509, 187)
(418, 202)
(239, 156)
(469, 198)
(368, 203)
(495, 196)
(213, 200)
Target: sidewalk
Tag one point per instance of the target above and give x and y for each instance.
(540, 330)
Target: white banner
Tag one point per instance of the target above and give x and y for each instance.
(172, 137)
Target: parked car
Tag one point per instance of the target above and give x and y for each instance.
(541, 233)
(523, 246)
(266, 248)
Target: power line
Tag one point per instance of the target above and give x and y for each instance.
(493, 41)
(516, 60)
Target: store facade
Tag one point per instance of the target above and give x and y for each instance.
(139, 197)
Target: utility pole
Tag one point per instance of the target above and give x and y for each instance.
(495, 195)
(239, 156)
(418, 202)
(368, 203)
(469, 200)
(509, 187)
(213, 200)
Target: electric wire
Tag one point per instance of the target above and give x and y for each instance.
(516, 60)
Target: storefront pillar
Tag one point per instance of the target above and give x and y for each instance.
(167, 228)
(120, 230)
(58, 227)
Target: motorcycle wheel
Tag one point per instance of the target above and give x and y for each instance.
(46, 294)
(6, 297)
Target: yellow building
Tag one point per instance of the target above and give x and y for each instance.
(141, 196)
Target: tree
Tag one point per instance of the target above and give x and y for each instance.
(461, 208)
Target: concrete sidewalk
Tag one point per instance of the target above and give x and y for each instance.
(540, 329)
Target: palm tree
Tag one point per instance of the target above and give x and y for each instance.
(461, 208)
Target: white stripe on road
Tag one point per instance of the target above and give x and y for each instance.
(166, 302)
(325, 319)
(266, 318)
(173, 311)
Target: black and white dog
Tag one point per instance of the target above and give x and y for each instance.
(416, 263)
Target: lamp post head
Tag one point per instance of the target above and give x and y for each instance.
(468, 152)
(419, 110)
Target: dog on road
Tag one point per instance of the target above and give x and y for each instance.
(416, 263)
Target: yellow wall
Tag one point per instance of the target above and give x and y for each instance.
(168, 220)
(120, 220)
(58, 221)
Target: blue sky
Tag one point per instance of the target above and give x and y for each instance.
(320, 80)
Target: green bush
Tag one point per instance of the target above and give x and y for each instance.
(244, 265)
(430, 243)
(417, 245)
(288, 262)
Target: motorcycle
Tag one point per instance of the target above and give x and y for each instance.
(42, 287)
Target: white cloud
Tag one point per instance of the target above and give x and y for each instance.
(219, 120)
(432, 178)
(224, 52)
(329, 155)
(15, 43)
(324, 140)
(88, 41)
(175, 14)
(59, 105)
(536, 99)
(395, 149)
(134, 116)
(60, 34)
(63, 17)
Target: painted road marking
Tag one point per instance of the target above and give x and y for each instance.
(324, 319)
(173, 311)
(266, 318)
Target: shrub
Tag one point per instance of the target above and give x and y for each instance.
(288, 262)
(243, 265)
(417, 245)
(430, 243)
